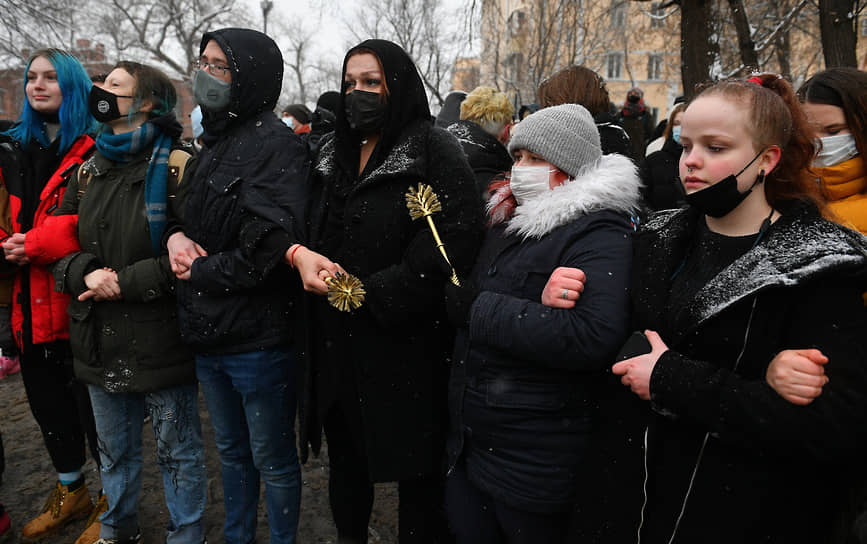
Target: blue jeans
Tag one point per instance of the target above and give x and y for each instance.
(180, 454)
(251, 401)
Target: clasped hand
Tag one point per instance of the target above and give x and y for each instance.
(182, 252)
(313, 268)
(636, 372)
(101, 285)
(13, 249)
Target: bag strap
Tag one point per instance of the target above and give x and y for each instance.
(178, 159)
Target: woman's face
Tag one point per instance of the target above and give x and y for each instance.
(678, 119)
(528, 158)
(42, 88)
(826, 120)
(716, 144)
(364, 74)
(121, 83)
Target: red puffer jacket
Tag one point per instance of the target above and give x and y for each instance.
(50, 239)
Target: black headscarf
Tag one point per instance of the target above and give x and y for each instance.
(256, 65)
(407, 104)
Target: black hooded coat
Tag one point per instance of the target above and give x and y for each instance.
(245, 205)
(659, 173)
(487, 156)
(387, 362)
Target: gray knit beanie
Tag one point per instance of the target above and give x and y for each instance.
(564, 135)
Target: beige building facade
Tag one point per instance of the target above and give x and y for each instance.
(631, 43)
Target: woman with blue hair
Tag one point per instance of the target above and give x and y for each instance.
(37, 157)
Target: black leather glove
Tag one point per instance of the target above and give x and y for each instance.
(459, 301)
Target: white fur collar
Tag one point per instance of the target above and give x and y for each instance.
(612, 185)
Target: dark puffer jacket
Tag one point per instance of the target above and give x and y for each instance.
(523, 387)
(245, 204)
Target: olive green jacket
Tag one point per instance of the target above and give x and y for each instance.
(132, 344)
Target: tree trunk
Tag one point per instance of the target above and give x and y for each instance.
(698, 49)
(749, 57)
(838, 32)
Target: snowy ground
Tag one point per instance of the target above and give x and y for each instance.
(29, 478)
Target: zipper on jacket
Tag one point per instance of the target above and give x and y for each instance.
(707, 434)
(644, 486)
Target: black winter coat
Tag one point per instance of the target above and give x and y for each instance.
(523, 387)
(612, 137)
(388, 361)
(660, 174)
(486, 155)
(723, 448)
(245, 204)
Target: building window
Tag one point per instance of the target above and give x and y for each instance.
(654, 67)
(864, 26)
(656, 15)
(615, 65)
(618, 14)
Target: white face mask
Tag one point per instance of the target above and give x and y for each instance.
(529, 181)
(836, 149)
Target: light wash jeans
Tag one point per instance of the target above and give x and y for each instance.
(251, 402)
(180, 454)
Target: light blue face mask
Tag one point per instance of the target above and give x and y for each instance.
(675, 134)
(211, 93)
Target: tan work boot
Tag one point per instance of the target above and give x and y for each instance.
(93, 526)
(62, 507)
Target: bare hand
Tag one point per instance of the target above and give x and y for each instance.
(13, 249)
(312, 267)
(101, 285)
(564, 287)
(636, 371)
(182, 252)
(798, 375)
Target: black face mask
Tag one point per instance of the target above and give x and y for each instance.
(722, 197)
(103, 104)
(365, 111)
(633, 98)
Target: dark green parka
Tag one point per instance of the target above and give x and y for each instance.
(132, 344)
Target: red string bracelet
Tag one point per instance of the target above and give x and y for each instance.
(292, 255)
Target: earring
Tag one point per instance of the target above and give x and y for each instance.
(761, 177)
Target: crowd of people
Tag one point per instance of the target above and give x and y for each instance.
(597, 342)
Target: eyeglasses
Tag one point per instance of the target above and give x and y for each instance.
(216, 69)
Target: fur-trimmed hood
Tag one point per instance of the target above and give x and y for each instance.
(612, 184)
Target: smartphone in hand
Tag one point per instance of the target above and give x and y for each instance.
(637, 344)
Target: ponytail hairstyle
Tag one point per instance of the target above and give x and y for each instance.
(775, 117)
(151, 85)
(74, 114)
(845, 88)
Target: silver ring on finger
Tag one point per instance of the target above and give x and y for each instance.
(565, 295)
